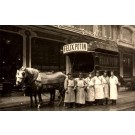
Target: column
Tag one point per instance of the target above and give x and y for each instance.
(68, 64)
(95, 30)
(133, 65)
(24, 51)
(121, 64)
(28, 48)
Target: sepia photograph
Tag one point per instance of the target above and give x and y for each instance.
(67, 67)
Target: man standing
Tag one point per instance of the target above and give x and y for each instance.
(69, 85)
(80, 91)
(99, 93)
(105, 81)
(90, 93)
(113, 88)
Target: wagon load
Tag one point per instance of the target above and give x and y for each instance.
(52, 78)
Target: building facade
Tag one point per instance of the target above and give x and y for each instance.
(41, 47)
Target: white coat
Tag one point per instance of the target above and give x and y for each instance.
(69, 85)
(105, 81)
(99, 92)
(90, 93)
(80, 91)
(113, 87)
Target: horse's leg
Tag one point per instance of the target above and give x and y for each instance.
(53, 96)
(61, 100)
(39, 97)
(35, 96)
(31, 100)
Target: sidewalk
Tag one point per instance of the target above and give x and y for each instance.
(14, 101)
(125, 99)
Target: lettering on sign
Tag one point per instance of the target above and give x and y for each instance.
(75, 47)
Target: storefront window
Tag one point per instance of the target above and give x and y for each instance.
(46, 55)
(127, 65)
(88, 28)
(100, 30)
(82, 62)
(107, 31)
(108, 60)
(11, 46)
(127, 35)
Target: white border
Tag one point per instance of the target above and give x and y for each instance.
(63, 12)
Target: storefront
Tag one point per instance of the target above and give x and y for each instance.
(38, 47)
(88, 57)
(127, 65)
(11, 55)
(46, 55)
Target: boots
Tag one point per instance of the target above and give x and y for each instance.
(67, 105)
(106, 101)
(113, 102)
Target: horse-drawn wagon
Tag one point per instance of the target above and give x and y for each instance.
(47, 81)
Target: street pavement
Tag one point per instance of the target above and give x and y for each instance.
(125, 102)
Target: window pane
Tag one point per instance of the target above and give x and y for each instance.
(46, 56)
(87, 27)
(127, 35)
(107, 31)
(100, 30)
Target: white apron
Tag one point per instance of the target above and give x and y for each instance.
(69, 94)
(113, 88)
(99, 92)
(80, 92)
(90, 93)
(105, 81)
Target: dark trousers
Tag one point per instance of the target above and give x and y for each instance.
(91, 103)
(113, 102)
(106, 101)
(69, 105)
(99, 101)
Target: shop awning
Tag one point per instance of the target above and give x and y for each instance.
(106, 46)
(91, 46)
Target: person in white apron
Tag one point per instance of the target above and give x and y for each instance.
(105, 81)
(69, 86)
(99, 92)
(90, 92)
(80, 91)
(113, 88)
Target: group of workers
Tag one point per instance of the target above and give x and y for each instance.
(93, 90)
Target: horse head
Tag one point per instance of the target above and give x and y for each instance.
(19, 77)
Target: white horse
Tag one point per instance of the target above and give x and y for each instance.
(51, 82)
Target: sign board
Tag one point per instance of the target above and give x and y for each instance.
(75, 47)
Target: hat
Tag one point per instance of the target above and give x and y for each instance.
(112, 71)
(105, 71)
(80, 73)
(97, 71)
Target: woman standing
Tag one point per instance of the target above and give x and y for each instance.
(80, 91)
(90, 93)
(69, 85)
